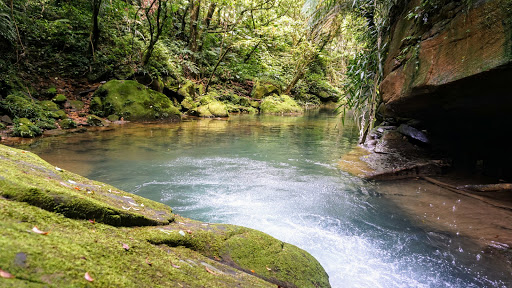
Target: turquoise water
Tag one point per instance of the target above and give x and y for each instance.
(279, 175)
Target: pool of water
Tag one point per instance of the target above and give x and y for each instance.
(280, 175)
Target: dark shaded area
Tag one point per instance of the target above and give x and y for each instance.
(468, 120)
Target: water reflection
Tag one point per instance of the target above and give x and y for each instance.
(279, 175)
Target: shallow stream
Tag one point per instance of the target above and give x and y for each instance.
(280, 175)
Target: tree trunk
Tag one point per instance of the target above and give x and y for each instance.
(215, 68)
(296, 79)
(194, 16)
(95, 32)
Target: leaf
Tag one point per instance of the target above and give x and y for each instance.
(148, 262)
(126, 247)
(93, 221)
(5, 274)
(88, 277)
(182, 233)
(210, 271)
(36, 230)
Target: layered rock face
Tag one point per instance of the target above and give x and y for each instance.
(450, 68)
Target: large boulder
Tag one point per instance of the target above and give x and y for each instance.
(262, 89)
(132, 101)
(120, 239)
(282, 104)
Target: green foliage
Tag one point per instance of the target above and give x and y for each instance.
(25, 128)
(67, 124)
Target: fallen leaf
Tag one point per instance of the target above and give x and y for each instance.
(77, 188)
(182, 233)
(148, 262)
(5, 274)
(210, 271)
(36, 230)
(93, 221)
(126, 247)
(252, 271)
(88, 277)
(269, 269)
(175, 266)
(58, 169)
(189, 232)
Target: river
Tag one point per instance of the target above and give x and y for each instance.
(280, 175)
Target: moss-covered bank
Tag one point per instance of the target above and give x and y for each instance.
(91, 230)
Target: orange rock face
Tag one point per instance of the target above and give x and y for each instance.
(456, 43)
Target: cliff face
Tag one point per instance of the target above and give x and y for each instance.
(450, 68)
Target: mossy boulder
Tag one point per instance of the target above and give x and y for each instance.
(123, 240)
(132, 101)
(282, 104)
(113, 118)
(60, 99)
(188, 89)
(188, 103)
(23, 127)
(49, 105)
(94, 120)
(59, 114)
(67, 124)
(262, 89)
(213, 109)
(77, 104)
(21, 106)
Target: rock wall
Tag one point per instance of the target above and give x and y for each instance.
(450, 69)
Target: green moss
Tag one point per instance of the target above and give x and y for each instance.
(49, 105)
(94, 120)
(188, 90)
(52, 91)
(67, 124)
(59, 114)
(262, 89)
(46, 124)
(188, 104)
(25, 128)
(55, 190)
(214, 108)
(282, 104)
(278, 262)
(60, 98)
(21, 106)
(113, 118)
(132, 101)
(77, 104)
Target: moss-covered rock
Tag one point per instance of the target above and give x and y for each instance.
(132, 101)
(67, 124)
(25, 128)
(77, 104)
(214, 108)
(59, 114)
(94, 120)
(49, 105)
(282, 104)
(188, 104)
(188, 90)
(262, 89)
(60, 99)
(113, 118)
(21, 106)
(90, 229)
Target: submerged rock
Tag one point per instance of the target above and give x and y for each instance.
(132, 101)
(125, 240)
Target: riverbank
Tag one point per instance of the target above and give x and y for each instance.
(62, 229)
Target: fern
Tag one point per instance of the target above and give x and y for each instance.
(7, 30)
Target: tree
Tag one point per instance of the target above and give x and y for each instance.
(95, 31)
(156, 15)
